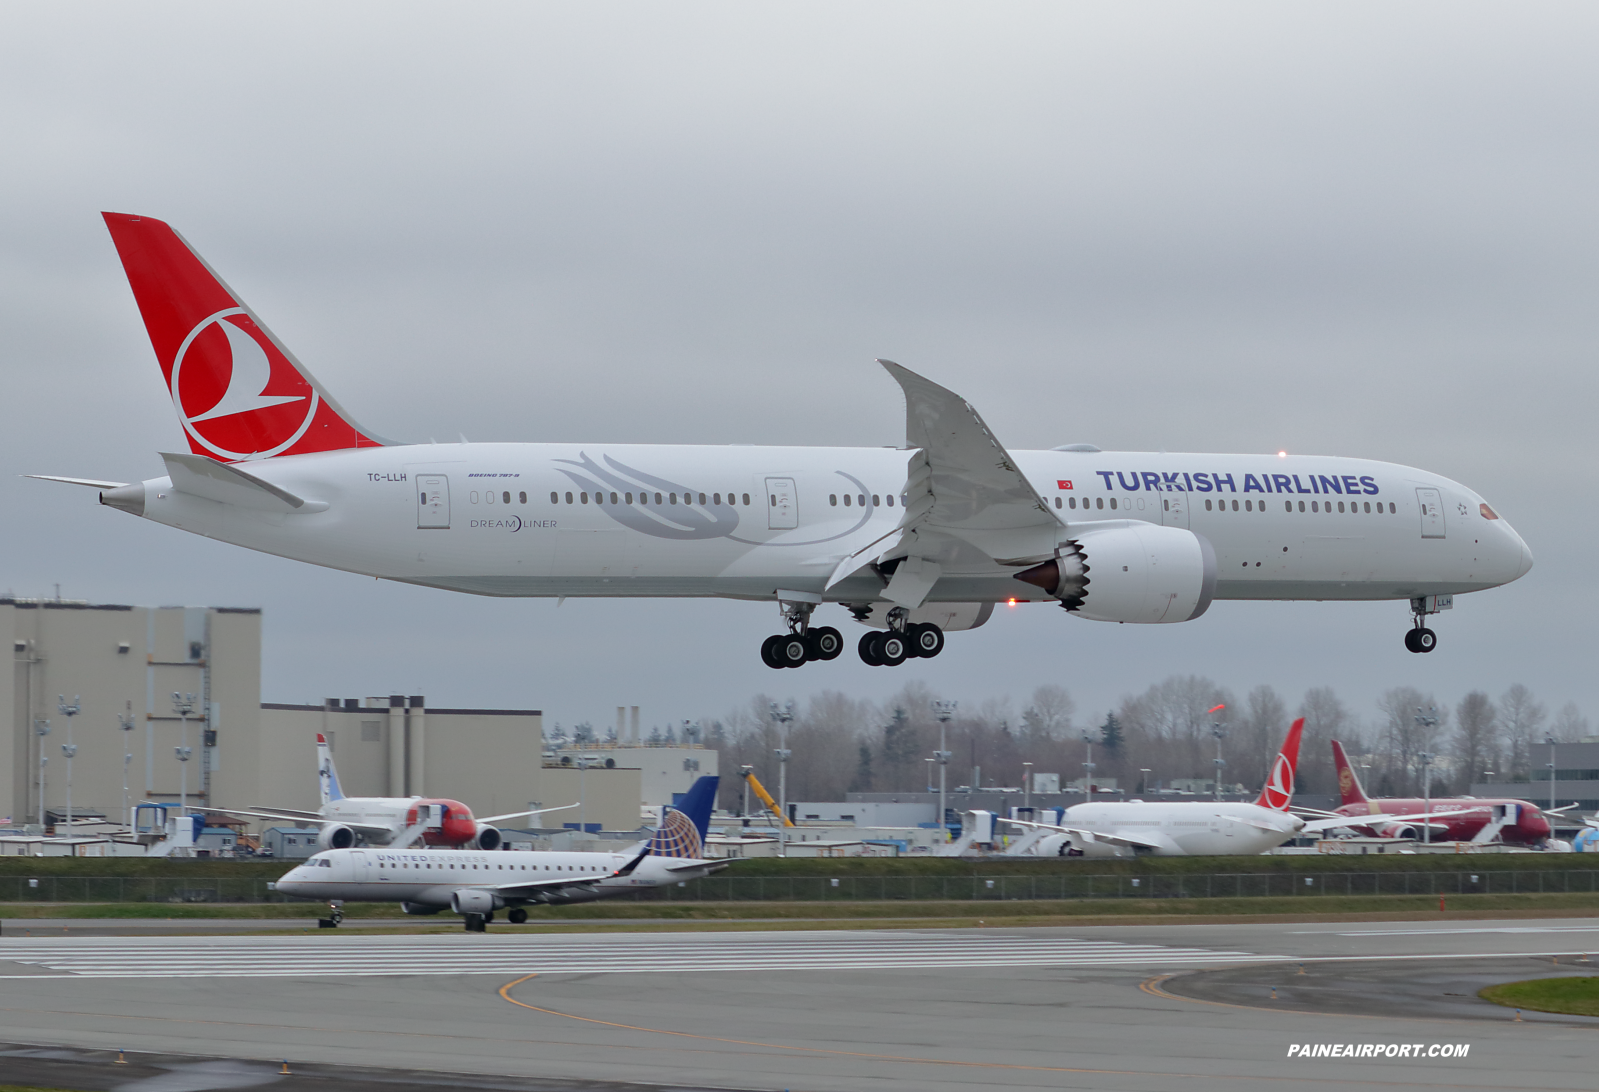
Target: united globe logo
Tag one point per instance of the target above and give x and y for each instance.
(677, 836)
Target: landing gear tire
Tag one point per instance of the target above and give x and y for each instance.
(926, 640)
(829, 642)
(893, 648)
(871, 649)
(791, 650)
(1421, 639)
(475, 923)
(516, 916)
(769, 651)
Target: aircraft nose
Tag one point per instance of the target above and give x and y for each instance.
(1525, 565)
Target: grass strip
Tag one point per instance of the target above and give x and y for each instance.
(1577, 996)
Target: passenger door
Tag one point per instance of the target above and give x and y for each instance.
(1174, 509)
(1431, 504)
(782, 504)
(432, 501)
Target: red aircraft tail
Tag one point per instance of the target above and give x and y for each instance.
(238, 392)
(1349, 790)
(1279, 790)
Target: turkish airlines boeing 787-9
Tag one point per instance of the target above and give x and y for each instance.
(913, 542)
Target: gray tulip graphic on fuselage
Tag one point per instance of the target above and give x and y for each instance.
(684, 521)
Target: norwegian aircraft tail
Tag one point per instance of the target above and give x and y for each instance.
(1349, 790)
(1278, 792)
(238, 392)
(684, 827)
(327, 775)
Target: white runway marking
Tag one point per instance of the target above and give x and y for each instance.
(1449, 932)
(248, 957)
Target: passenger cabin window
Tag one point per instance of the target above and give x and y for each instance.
(846, 500)
(832, 498)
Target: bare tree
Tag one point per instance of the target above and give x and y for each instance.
(1476, 738)
(1570, 725)
(1406, 734)
(1522, 717)
(1168, 726)
(1326, 719)
(1258, 734)
(1049, 716)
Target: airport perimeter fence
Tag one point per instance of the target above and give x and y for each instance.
(733, 888)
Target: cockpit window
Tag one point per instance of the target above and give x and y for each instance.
(1487, 513)
(324, 863)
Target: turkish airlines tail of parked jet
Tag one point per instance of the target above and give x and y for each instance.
(1278, 792)
(914, 541)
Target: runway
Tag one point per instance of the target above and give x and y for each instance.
(1123, 1008)
(341, 956)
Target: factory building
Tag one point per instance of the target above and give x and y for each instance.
(121, 665)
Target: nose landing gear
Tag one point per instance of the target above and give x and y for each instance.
(1420, 638)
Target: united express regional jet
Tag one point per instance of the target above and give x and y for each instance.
(912, 541)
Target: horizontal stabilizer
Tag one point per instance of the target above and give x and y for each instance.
(90, 482)
(200, 476)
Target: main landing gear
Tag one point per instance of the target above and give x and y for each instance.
(902, 640)
(1420, 638)
(802, 643)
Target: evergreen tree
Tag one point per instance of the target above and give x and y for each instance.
(1110, 733)
(863, 770)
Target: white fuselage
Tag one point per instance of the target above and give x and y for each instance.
(1178, 829)
(749, 522)
(429, 877)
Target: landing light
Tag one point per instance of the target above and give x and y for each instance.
(1011, 602)
(1282, 454)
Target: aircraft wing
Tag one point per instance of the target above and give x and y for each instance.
(1088, 835)
(966, 501)
(1256, 823)
(519, 814)
(555, 883)
(303, 817)
(1379, 818)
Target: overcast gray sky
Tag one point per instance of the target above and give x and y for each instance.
(1358, 228)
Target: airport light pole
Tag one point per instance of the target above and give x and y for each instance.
(744, 812)
(70, 749)
(183, 705)
(943, 710)
(125, 721)
(1220, 733)
(1088, 769)
(1548, 739)
(781, 716)
(41, 728)
(1027, 786)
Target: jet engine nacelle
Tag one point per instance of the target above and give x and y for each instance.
(488, 837)
(1128, 571)
(1398, 830)
(472, 900)
(335, 836)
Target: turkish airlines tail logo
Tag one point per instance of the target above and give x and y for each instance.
(238, 392)
(1279, 790)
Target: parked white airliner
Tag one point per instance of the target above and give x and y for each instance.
(913, 541)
